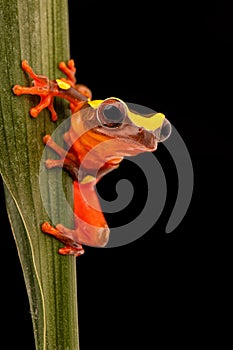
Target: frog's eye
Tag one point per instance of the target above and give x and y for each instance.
(111, 112)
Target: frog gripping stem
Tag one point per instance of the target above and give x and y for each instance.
(64, 235)
(48, 89)
(69, 70)
(41, 87)
(85, 156)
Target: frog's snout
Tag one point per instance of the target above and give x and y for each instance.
(164, 131)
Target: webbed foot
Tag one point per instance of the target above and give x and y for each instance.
(41, 87)
(65, 236)
(48, 89)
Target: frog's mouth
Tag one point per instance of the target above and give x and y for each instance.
(145, 140)
(131, 139)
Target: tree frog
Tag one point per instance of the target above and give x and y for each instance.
(101, 133)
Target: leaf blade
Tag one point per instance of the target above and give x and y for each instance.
(30, 29)
(33, 284)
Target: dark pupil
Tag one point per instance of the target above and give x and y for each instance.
(112, 114)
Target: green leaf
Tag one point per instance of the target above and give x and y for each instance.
(36, 30)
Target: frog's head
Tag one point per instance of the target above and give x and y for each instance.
(129, 132)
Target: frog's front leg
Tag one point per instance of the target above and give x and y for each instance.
(48, 89)
(41, 86)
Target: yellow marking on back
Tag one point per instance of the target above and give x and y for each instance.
(87, 179)
(63, 85)
(95, 104)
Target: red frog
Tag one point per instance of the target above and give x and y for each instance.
(101, 133)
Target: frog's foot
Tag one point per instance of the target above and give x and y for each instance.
(48, 89)
(41, 87)
(65, 236)
(69, 70)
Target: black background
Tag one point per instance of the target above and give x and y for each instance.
(174, 57)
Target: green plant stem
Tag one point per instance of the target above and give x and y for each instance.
(36, 30)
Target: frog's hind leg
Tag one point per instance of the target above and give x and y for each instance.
(65, 236)
(69, 70)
